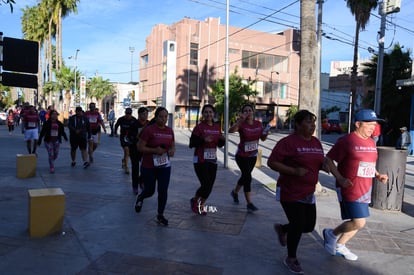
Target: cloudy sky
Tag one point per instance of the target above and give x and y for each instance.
(104, 30)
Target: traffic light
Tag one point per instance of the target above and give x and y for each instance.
(133, 95)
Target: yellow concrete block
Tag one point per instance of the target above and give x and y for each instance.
(46, 211)
(26, 165)
(259, 159)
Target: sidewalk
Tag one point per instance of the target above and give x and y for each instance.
(102, 234)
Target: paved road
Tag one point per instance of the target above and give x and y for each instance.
(103, 234)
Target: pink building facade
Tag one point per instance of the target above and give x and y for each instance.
(271, 59)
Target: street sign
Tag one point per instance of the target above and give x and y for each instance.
(127, 102)
(20, 55)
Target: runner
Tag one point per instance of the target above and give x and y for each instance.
(31, 128)
(157, 146)
(95, 120)
(127, 136)
(134, 154)
(80, 133)
(53, 131)
(205, 139)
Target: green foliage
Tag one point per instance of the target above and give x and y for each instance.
(325, 112)
(5, 97)
(395, 103)
(239, 94)
(98, 88)
(291, 112)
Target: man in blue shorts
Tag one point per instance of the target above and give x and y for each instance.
(355, 155)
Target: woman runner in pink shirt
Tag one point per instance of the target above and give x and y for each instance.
(250, 131)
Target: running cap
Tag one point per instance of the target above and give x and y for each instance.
(367, 115)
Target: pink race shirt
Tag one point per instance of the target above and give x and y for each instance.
(249, 139)
(356, 158)
(54, 132)
(294, 151)
(154, 137)
(208, 151)
(31, 120)
(94, 119)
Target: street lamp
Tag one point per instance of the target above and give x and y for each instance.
(132, 49)
(76, 67)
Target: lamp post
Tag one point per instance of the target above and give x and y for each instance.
(76, 67)
(132, 49)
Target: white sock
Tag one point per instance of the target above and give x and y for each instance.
(339, 245)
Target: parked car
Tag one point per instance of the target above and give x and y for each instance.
(3, 118)
(331, 126)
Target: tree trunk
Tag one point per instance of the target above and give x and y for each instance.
(309, 94)
(49, 52)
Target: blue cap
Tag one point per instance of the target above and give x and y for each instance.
(367, 115)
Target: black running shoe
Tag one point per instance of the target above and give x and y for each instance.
(73, 163)
(85, 164)
(161, 220)
(138, 205)
(234, 196)
(251, 207)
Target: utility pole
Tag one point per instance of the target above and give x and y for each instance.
(378, 81)
(132, 49)
(386, 7)
(226, 88)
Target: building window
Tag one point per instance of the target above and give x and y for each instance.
(273, 90)
(253, 60)
(193, 54)
(144, 61)
(192, 85)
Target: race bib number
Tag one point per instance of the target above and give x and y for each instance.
(251, 146)
(160, 160)
(54, 133)
(92, 120)
(31, 124)
(210, 153)
(366, 169)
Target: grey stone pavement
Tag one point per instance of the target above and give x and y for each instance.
(102, 234)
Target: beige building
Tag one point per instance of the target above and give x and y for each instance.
(271, 59)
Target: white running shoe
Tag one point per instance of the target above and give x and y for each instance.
(329, 241)
(342, 250)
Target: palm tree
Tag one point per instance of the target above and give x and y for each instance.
(60, 9)
(98, 88)
(9, 2)
(361, 10)
(34, 27)
(65, 81)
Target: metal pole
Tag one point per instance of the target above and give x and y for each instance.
(277, 100)
(132, 49)
(76, 67)
(378, 83)
(226, 89)
(318, 62)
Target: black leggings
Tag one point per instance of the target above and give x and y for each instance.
(246, 165)
(302, 219)
(135, 157)
(206, 174)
